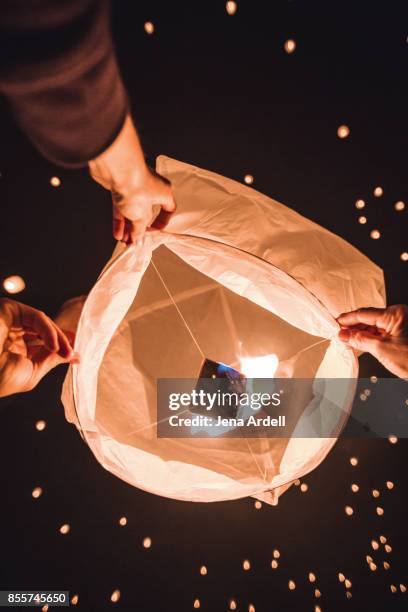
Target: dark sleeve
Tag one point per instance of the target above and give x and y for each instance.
(58, 71)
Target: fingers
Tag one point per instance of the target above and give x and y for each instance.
(118, 224)
(366, 316)
(361, 340)
(137, 232)
(53, 338)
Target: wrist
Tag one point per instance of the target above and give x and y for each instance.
(121, 167)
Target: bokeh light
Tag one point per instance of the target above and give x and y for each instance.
(14, 284)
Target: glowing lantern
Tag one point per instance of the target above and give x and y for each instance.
(37, 492)
(360, 204)
(14, 284)
(290, 46)
(223, 285)
(147, 542)
(231, 7)
(399, 206)
(55, 181)
(149, 27)
(64, 529)
(375, 234)
(343, 131)
(378, 192)
(40, 425)
(115, 596)
(249, 179)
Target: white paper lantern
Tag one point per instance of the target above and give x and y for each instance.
(236, 278)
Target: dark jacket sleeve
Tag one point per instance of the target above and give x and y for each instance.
(59, 73)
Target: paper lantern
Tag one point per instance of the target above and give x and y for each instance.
(238, 279)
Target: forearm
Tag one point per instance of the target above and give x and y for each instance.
(122, 166)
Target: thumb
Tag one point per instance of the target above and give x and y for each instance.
(361, 341)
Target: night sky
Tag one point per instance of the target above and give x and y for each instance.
(218, 91)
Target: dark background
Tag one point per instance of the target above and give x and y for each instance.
(217, 91)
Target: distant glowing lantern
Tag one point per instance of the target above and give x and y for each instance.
(389, 484)
(404, 256)
(349, 510)
(290, 46)
(147, 542)
(304, 487)
(341, 577)
(123, 521)
(362, 220)
(393, 588)
(383, 539)
(232, 604)
(392, 439)
(115, 596)
(14, 284)
(74, 600)
(360, 204)
(387, 548)
(36, 492)
(251, 608)
(343, 131)
(399, 206)
(317, 593)
(65, 528)
(196, 604)
(55, 181)
(386, 565)
(372, 566)
(249, 179)
(40, 425)
(375, 234)
(231, 7)
(375, 545)
(312, 577)
(246, 565)
(276, 554)
(274, 564)
(203, 570)
(292, 585)
(355, 488)
(347, 583)
(378, 192)
(379, 510)
(258, 505)
(376, 493)
(149, 27)
(353, 461)
(349, 595)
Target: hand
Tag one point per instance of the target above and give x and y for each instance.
(382, 332)
(138, 193)
(30, 346)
